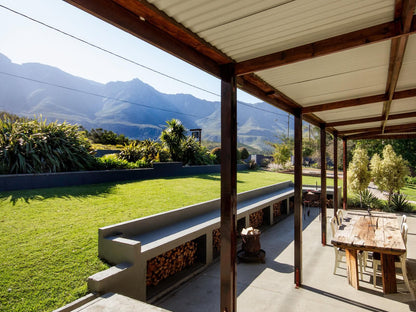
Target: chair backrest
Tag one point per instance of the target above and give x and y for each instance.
(340, 216)
(404, 219)
(334, 225)
(404, 230)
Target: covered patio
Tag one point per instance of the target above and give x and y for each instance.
(345, 66)
(269, 286)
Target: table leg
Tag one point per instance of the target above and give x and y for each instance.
(388, 272)
(352, 267)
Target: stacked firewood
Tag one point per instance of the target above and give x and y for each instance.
(256, 219)
(170, 262)
(216, 239)
(276, 209)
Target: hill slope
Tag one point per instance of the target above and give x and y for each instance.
(132, 108)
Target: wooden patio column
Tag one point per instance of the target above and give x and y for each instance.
(335, 173)
(323, 184)
(298, 199)
(228, 300)
(344, 174)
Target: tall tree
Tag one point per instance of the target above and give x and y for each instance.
(358, 173)
(172, 136)
(390, 171)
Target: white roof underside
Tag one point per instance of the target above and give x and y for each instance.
(245, 29)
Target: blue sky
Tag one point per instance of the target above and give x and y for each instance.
(23, 41)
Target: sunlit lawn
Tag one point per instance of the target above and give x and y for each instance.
(48, 237)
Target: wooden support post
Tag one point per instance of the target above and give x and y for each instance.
(388, 273)
(323, 184)
(228, 301)
(344, 174)
(298, 199)
(352, 267)
(335, 199)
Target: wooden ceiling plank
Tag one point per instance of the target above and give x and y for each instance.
(339, 43)
(122, 18)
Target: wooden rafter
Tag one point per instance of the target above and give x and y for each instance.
(176, 42)
(396, 129)
(358, 101)
(369, 119)
(323, 47)
(402, 136)
(404, 15)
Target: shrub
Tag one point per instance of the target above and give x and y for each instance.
(369, 200)
(399, 202)
(244, 153)
(252, 165)
(130, 152)
(34, 146)
(194, 154)
(111, 161)
(217, 153)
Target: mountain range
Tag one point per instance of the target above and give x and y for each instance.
(132, 108)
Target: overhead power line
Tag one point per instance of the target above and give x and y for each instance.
(123, 58)
(102, 96)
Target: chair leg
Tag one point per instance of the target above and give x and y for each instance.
(375, 265)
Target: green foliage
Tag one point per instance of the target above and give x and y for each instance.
(194, 154)
(399, 202)
(389, 173)
(244, 153)
(403, 147)
(358, 175)
(172, 136)
(147, 151)
(34, 146)
(105, 137)
(282, 153)
(112, 161)
(216, 152)
(130, 152)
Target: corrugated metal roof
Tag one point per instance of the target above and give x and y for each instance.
(242, 30)
(352, 73)
(246, 29)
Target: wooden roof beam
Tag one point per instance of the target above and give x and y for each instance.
(404, 15)
(177, 42)
(358, 101)
(339, 43)
(370, 119)
(398, 128)
(401, 136)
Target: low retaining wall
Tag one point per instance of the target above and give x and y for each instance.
(12, 182)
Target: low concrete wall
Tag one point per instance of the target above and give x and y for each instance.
(12, 182)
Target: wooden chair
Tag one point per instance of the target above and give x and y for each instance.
(399, 261)
(340, 253)
(340, 216)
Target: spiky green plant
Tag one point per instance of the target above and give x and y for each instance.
(34, 146)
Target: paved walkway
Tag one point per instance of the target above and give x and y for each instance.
(270, 286)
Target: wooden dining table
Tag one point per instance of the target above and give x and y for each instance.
(376, 232)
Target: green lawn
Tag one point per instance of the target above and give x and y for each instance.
(48, 237)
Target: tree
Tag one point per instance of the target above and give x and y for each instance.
(390, 171)
(172, 136)
(282, 153)
(358, 174)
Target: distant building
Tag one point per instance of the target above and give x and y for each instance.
(196, 133)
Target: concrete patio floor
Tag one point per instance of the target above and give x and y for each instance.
(270, 286)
